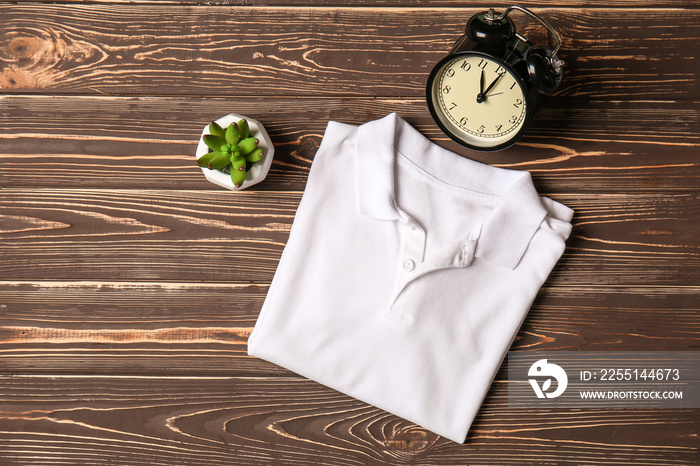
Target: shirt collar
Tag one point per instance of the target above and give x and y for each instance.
(375, 150)
(506, 232)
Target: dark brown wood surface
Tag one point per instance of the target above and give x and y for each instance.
(129, 284)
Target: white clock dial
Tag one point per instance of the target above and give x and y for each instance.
(479, 100)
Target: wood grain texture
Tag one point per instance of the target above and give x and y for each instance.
(146, 329)
(127, 235)
(149, 143)
(114, 49)
(631, 4)
(232, 420)
(129, 285)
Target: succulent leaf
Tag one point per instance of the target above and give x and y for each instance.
(233, 135)
(247, 145)
(214, 142)
(254, 156)
(204, 160)
(219, 161)
(238, 177)
(244, 129)
(216, 130)
(238, 163)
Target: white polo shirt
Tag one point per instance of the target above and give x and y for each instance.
(407, 274)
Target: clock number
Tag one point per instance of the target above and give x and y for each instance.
(463, 121)
(450, 72)
(466, 66)
(517, 103)
(513, 85)
(498, 127)
(481, 129)
(482, 64)
(513, 119)
(500, 71)
(446, 89)
(453, 106)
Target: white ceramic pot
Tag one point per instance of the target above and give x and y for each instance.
(258, 171)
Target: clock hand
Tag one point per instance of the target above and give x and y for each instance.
(480, 97)
(491, 85)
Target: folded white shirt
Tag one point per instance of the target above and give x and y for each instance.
(407, 274)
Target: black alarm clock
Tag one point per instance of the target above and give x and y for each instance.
(486, 91)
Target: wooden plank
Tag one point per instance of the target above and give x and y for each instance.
(195, 329)
(231, 420)
(223, 237)
(149, 143)
(404, 3)
(115, 49)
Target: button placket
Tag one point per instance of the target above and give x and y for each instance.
(413, 250)
(410, 259)
(412, 255)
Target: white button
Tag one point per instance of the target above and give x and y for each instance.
(408, 265)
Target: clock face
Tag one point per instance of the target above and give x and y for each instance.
(478, 101)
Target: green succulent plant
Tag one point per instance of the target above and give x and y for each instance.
(232, 150)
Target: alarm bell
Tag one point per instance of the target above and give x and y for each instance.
(492, 31)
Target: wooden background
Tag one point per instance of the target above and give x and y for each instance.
(129, 284)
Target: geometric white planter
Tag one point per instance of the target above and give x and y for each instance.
(258, 171)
